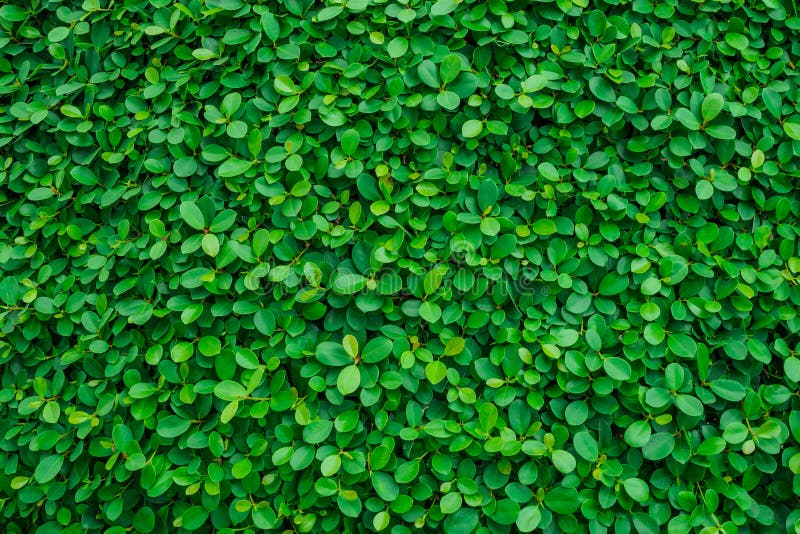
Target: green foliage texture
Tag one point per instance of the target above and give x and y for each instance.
(399, 265)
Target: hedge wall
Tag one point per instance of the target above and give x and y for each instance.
(399, 265)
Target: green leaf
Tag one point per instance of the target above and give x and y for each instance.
(406, 472)
(712, 446)
(487, 195)
(659, 446)
(182, 352)
(430, 312)
(435, 371)
(242, 468)
(562, 500)
(144, 520)
(228, 390)
(687, 118)
(689, 405)
(529, 518)
(737, 40)
(332, 354)
(350, 140)
(586, 446)
(331, 465)
(376, 350)
(448, 100)
(585, 108)
(719, 131)
(675, 376)
(347, 284)
(449, 68)
(210, 245)
(564, 461)
(48, 468)
(454, 346)
(490, 226)
(601, 88)
(450, 503)
(471, 128)
(774, 104)
(194, 518)
(442, 7)
(350, 344)
(12, 13)
(682, 345)
(209, 346)
(535, 83)
(617, 368)
(328, 13)
(427, 72)
(385, 486)
(317, 431)
(792, 129)
(349, 380)
(51, 412)
(650, 311)
(284, 85)
(729, 390)
(234, 167)
(185, 167)
(638, 434)
(548, 171)
(203, 54)
(637, 489)
(381, 521)
(544, 227)
(349, 504)
(712, 106)
(704, 190)
(791, 366)
(613, 284)
(172, 426)
(397, 47)
(84, 176)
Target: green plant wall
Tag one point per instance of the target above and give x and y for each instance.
(399, 265)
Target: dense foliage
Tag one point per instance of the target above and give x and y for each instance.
(399, 265)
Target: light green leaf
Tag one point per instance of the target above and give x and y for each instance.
(349, 380)
(471, 128)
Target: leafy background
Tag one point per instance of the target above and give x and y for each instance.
(399, 265)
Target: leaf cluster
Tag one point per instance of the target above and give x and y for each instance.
(418, 265)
